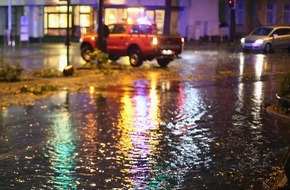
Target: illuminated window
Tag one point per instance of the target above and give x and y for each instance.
(85, 20)
(84, 17)
(55, 20)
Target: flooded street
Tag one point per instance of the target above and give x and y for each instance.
(208, 129)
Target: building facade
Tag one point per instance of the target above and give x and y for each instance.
(253, 13)
(194, 19)
(47, 19)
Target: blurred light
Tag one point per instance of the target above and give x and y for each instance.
(243, 40)
(92, 89)
(130, 20)
(259, 65)
(167, 52)
(154, 41)
(62, 62)
(242, 62)
(259, 41)
(112, 17)
(143, 20)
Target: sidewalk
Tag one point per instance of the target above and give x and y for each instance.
(210, 45)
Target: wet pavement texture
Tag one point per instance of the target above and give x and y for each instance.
(207, 130)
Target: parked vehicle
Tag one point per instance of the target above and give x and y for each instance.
(267, 38)
(138, 41)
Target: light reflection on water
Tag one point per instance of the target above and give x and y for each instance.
(150, 135)
(60, 148)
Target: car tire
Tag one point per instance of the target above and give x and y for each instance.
(268, 48)
(163, 62)
(85, 53)
(135, 57)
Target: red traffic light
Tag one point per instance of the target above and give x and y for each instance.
(231, 3)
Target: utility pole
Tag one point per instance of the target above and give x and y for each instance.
(9, 29)
(232, 20)
(68, 70)
(101, 39)
(167, 19)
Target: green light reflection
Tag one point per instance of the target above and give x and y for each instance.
(61, 153)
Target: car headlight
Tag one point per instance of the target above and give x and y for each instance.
(243, 40)
(259, 41)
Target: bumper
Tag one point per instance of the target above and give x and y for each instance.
(252, 46)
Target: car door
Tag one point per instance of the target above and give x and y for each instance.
(141, 34)
(117, 39)
(280, 39)
(276, 39)
(286, 38)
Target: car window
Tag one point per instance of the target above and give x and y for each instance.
(111, 28)
(285, 31)
(282, 31)
(118, 29)
(262, 31)
(135, 29)
(141, 29)
(145, 29)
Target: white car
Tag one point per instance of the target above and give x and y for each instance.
(267, 38)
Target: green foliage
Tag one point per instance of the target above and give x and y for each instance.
(37, 90)
(103, 61)
(10, 73)
(48, 73)
(99, 56)
(285, 86)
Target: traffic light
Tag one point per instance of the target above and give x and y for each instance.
(231, 3)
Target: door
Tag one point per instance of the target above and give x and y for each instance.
(117, 39)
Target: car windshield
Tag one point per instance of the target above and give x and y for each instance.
(262, 31)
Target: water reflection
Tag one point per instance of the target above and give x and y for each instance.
(61, 150)
(259, 65)
(139, 116)
(150, 133)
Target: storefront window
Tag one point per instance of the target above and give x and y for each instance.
(55, 19)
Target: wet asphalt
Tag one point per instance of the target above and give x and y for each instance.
(208, 130)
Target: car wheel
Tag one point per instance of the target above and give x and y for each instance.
(85, 53)
(268, 48)
(163, 62)
(135, 57)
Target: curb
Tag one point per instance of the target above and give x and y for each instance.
(281, 183)
(272, 111)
